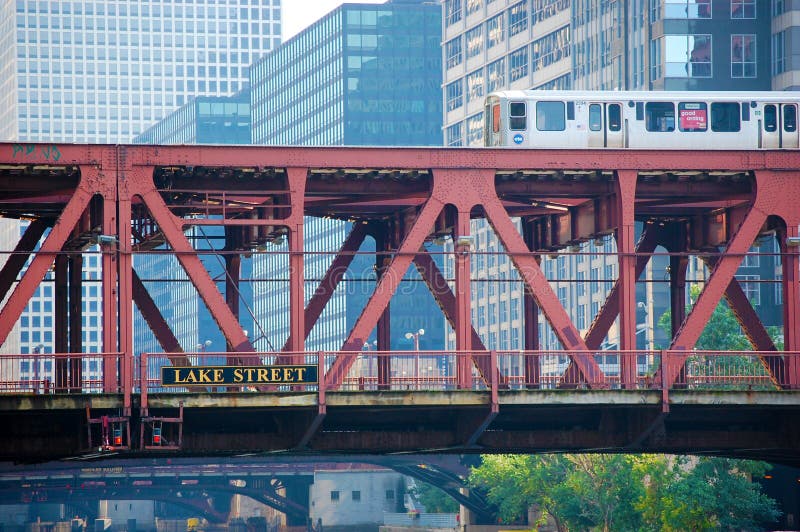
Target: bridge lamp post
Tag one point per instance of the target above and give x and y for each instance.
(202, 347)
(37, 350)
(415, 336)
(370, 346)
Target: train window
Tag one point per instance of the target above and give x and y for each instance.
(745, 112)
(692, 116)
(595, 117)
(660, 116)
(495, 118)
(516, 113)
(770, 118)
(639, 111)
(570, 110)
(725, 116)
(790, 118)
(550, 116)
(614, 117)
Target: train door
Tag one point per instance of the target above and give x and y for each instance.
(779, 126)
(605, 125)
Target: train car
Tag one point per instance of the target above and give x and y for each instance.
(642, 120)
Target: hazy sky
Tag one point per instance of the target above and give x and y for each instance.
(299, 14)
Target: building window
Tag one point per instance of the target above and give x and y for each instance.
(779, 53)
(518, 18)
(687, 9)
(518, 62)
(496, 75)
(453, 52)
(778, 7)
(455, 135)
(473, 6)
(474, 38)
(743, 56)
(550, 48)
(475, 85)
(750, 260)
(389, 495)
(356, 496)
(743, 8)
(334, 496)
(455, 94)
(495, 31)
(750, 287)
(688, 56)
(544, 9)
(452, 11)
(475, 130)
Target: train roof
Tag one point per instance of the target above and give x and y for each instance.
(650, 95)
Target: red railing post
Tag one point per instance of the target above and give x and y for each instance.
(143, 382)
(664, 381)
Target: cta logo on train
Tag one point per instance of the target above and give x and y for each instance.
(642, 120)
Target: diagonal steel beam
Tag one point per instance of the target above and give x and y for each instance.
(542, 292)
(43, 259)
(155, 320)
(22, 252)
(384, 290)
(720, 278)
(202, 281)
(332, 278)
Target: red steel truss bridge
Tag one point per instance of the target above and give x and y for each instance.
(120, 201)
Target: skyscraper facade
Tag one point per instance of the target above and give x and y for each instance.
(367, 75)
(101, 72)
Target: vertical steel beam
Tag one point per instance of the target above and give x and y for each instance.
(297, 185)
(383, 332)
(530, 315)
(61, 318)
(791, 302)
(117, 292)
(625, 203)
(75, 320)
(462, 241)
(233, 270)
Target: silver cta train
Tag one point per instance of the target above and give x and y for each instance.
(642, 120)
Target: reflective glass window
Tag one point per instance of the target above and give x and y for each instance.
(496, 75)
(495, 30)
(474, 38)
(743, 56)
(453, 52)
(518, 63)
(550, 116)
(518, 18)
(475, 85)
(688, 56)
(659, 116)
(687, 9)
(725, 116)
(517, 120)
(743, 9)
(473, 6)
(770, 118)
(790, 118)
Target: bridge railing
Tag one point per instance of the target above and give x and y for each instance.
(515, 370)
(61, 373)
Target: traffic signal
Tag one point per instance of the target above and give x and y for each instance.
(118, 436)
(156, 435)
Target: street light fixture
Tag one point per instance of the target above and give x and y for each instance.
(415, 336)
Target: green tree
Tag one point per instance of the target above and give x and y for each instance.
(628, 492)
(435, 500)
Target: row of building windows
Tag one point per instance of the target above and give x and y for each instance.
(516, 16)
(497, 74)
(168, 8)
(690, 56)
(699, 9)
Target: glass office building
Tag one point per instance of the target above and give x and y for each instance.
(204, 120)
(366, 75)
(95, 71)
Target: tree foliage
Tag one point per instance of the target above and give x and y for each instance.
(627, 492)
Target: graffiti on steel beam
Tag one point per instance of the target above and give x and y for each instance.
(50, 153)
